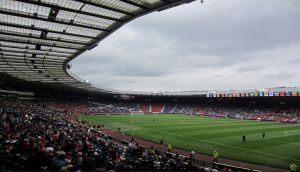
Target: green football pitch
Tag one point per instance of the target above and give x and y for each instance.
(279, 148)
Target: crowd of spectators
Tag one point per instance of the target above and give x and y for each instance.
(82, 107)
(257, 112)
(34, 137)
(144, 106)
(254, 112)
(157, 107)
(31, 139)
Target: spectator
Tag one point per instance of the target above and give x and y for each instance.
(60, 160)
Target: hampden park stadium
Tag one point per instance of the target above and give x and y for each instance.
(53, 120)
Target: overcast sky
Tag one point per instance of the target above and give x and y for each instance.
(217, 45)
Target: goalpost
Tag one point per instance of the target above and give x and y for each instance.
(137, 113)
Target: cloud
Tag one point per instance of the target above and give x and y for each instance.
(281, 75)
(250, 68)
(215, 45)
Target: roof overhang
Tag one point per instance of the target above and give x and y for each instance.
(38, 38)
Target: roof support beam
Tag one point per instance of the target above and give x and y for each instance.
(35, 58)
(35, 50)
(102, 6)
(134, 4)
(40, 44)
(53, 21)
(27, 36)
(25, 52)
(34, 64)
(44, 29)
(71, 10)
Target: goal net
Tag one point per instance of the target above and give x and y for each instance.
(137, 113)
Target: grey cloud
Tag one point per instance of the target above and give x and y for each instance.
(295, 61)
(138, 71)
(281, 75)
(249, 68)
(251, 26)
(216, 76)
(200, 46)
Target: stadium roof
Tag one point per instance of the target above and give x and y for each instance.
(38, 38)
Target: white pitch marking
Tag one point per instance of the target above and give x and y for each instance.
(282, 136)
(220, 144)
(286, 142)
(225, 145)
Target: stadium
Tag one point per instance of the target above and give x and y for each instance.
(52, 119)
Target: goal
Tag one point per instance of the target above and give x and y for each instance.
(137, 113)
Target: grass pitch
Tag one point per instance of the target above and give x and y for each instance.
(280, 147)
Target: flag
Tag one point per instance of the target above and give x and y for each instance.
(282, 93)
(226, 94)
(242, 94)
(256, 94)
(223, 94)
(271, 93)
(266, 93)
(276, 93)
(215, 95)
(207, 94)
(230, 94)
(261, 93)
(234, 94)
(218, 95)
(251, 94)
(294, 93)
(237, 94)
(288, 93)
(246, 94)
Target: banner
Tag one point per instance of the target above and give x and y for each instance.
(230, 94)
(256, 94)
(238, 94)
(276, 93)
(294, 93)
(266, 93)
(242, 94)
(215, 94)
(207, 94)
(226, 94)
(218, 95)
(288, 93)
(271, 93)
(282, 93)
(261, 93)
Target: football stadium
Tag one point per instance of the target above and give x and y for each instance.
(53, 120)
